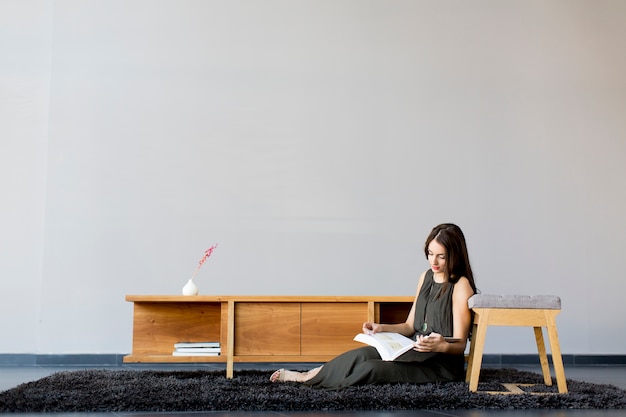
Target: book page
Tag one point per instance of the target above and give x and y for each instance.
(389, 345)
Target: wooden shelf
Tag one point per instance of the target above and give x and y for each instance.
(171, 358)
(269, 298)
(256, 328)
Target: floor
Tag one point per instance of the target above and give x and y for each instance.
(11, 376)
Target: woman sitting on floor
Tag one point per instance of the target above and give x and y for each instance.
(439, 310)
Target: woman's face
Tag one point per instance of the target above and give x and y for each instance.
(437, 257)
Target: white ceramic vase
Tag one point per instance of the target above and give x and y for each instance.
(190, 288)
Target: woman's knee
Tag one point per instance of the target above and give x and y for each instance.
(367, 353)
(372, 370)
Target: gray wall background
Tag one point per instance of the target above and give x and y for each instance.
(317, 142)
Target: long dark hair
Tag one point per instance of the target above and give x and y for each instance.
(451, 237)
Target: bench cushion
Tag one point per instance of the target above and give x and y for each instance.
(548, 302)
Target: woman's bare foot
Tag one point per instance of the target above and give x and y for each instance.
(283, 375)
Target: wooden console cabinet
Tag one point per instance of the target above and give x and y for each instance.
(256, 328)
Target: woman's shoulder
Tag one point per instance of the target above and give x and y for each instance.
(424, 274)
(420, 283)
(463, 286)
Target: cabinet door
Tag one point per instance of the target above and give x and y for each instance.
(267, 328)
(328, 328)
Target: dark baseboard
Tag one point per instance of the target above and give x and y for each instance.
(28, 359)
(114, 359)
(568, 360)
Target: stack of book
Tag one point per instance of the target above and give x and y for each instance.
(197, 349)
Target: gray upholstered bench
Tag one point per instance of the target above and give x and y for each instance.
(516, 310)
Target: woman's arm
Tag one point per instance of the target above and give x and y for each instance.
(405, 328)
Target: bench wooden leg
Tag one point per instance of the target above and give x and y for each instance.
(557, 360)
(543, 356)
(470, 356)
(476, 357)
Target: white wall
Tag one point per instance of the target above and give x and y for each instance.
(317, 142)
(25, 50)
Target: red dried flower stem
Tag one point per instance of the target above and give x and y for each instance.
(206, 255)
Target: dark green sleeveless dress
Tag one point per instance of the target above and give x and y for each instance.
(433, 313)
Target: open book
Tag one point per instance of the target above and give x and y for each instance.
(389, 345)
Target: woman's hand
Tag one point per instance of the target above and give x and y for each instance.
(433, 342)
(371, 328)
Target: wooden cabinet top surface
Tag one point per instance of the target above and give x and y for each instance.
(269, 298)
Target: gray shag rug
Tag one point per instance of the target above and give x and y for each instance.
(143, 390)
